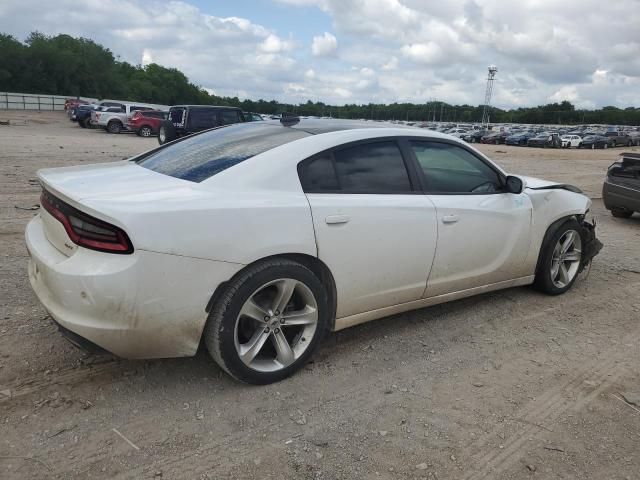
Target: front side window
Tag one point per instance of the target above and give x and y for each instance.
(451, 169)
(376, 167)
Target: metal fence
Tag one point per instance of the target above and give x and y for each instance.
(30, 101)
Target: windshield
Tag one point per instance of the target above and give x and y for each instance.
(202, 156)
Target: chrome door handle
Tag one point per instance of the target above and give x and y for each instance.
(450, 219)
(336, 219)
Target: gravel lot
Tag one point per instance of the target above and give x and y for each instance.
(513, 384)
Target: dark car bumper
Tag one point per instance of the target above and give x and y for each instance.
(620, 196)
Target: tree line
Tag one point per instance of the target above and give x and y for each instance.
(63, 64)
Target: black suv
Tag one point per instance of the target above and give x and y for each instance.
(621, 189)
(187, 119)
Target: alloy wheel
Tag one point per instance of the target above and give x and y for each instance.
(145, 131)
(565, 261)
(275, 325)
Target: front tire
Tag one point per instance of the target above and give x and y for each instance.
(560, 258)
(267, 323)
(621, 212)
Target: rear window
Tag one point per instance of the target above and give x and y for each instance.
(202, 156)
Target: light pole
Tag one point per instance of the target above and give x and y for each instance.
(487, 95)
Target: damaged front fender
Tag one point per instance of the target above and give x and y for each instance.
(591, 246)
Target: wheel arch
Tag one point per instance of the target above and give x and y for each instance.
(317, 266)
(551, 230)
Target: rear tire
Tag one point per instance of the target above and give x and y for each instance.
(560, 257)
(621, 212)
(263, 345)
(166, 132)
(114, 126)
(82, 124)
(145, 131)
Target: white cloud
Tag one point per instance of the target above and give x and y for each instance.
(324, 45)
(390, 50)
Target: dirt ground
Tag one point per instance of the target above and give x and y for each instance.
(507, 385)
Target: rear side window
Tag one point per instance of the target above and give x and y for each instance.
(203, 118)
(229, 116)
(202, 156)
(376, 167)
(319, 174)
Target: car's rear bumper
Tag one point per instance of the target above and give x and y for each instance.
(143, 305)
(620, 196)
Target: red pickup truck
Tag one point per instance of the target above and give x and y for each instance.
(147, 122)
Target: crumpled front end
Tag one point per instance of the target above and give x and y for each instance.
(591, 246)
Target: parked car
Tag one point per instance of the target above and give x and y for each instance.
(69, 103)
(569, 141)
(621, 189)
(457, 132)
(256, 239)
(635, 138)
(82, 113)
(494, 137)
(116, 122)
(519, 138)
(188, 119)
(146, 123)
(252, 117)
(475, 136)
(595, 141)
(545, 140)
(618, 139)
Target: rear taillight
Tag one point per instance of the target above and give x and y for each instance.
(85, 230)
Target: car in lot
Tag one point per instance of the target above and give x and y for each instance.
(519, 138)
(252, 117)
(116, 122)
(146, 123)
(619, 139)
(545, 140)
(258, 238)
(571, 141)
(183, 120)
(621, 188)
(494, 137)
(475, 136)
(595, 141)
(83, 113)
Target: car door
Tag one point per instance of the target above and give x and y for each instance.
(483, 232)
(375, 229)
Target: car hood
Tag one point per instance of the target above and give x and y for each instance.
(539, 184)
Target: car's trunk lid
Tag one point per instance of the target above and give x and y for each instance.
(78, 186)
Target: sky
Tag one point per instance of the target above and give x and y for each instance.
(362, 51)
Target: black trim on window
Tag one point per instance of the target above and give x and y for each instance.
(410, 167)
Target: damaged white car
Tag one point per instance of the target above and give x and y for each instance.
(256, 239)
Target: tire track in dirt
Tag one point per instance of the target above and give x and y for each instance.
(67, 377)
(601, 373)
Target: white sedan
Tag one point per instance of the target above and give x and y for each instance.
(569, 141)
(258, 238)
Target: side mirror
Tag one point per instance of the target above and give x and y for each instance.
(514, 184)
